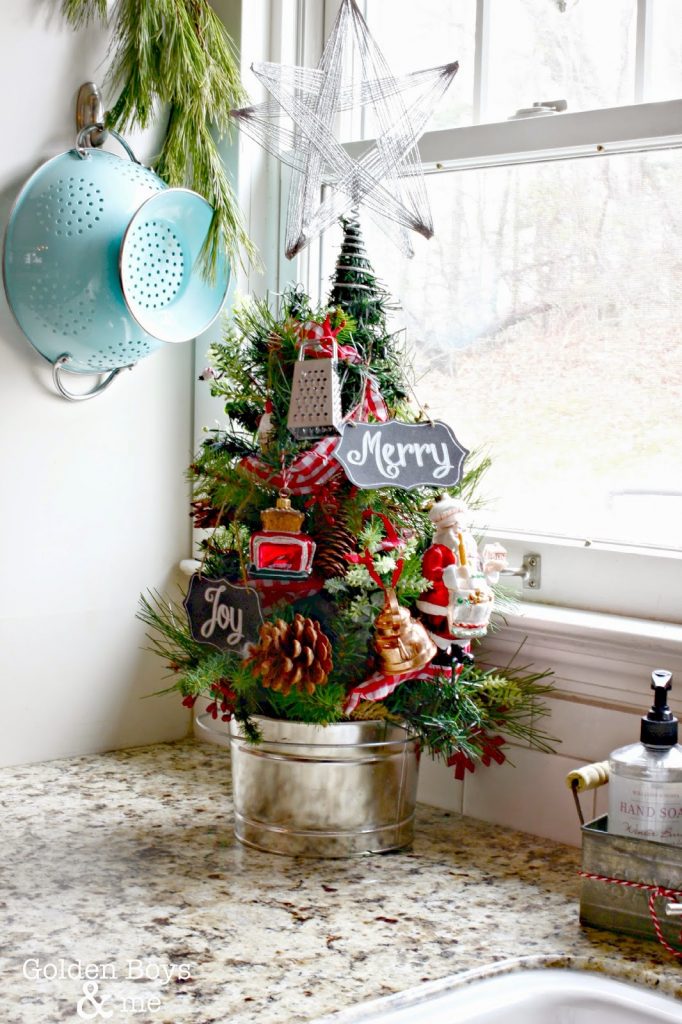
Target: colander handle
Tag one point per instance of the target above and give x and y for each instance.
(59, 366)
(84, 150)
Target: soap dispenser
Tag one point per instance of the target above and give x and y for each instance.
(645, 778)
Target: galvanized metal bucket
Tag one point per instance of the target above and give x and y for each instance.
(324, 791)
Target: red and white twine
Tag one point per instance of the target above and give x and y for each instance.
(654, 892)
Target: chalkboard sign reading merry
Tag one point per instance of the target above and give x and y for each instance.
(223, 614)
(398, 454)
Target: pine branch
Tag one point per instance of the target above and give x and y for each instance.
(80, 13)
(372, 711)
(456, 716)
(177, 54)
(170, 637)
(322, 707)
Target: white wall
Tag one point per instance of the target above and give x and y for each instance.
(94, 498)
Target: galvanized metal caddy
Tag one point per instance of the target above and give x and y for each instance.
(626, 908)
(324, 791)
(632, 886)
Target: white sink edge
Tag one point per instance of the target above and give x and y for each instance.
(600, 976)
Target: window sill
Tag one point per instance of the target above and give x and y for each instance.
(630, 589)
(596, 657)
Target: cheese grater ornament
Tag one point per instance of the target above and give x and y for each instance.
(315, 406)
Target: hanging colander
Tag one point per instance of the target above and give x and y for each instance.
(100, 261)
(160, 249)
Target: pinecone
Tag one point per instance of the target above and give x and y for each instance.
(292, 654)
(333, 542)
(205, 516)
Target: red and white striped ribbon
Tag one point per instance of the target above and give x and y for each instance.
(315, 467)
(380, 685)
(654, 892)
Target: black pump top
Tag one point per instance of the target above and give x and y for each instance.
(659, 726)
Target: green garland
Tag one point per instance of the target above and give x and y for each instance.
(177, 56)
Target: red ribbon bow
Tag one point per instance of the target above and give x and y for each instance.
(391, 541)
(324, 335)
(490, 751)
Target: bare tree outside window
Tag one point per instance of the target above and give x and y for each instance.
(544, 317)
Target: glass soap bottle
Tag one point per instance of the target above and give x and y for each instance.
(645, 778)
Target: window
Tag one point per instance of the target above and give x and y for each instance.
(545, 319)
(544, 313)
(581, 51)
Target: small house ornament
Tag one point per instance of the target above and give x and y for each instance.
(315, 407)
(280, 549)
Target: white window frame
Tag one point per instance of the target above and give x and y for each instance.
(601, 654)
(576, 572)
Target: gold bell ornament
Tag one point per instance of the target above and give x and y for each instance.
(401, 642)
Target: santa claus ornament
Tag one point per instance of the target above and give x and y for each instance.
(458, 604)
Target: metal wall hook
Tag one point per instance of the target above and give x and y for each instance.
(59, 366)
(90, 114)
(530, 571)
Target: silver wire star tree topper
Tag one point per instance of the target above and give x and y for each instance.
(297, 126)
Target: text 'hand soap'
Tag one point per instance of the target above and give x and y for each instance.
(645, 778)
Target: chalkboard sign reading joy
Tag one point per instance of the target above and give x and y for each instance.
(223, 614)
(403, 455)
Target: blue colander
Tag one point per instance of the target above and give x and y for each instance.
(100, 261)
(160, 250)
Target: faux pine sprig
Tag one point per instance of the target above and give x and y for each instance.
(175, 55)
(169, 636)
(456, 715)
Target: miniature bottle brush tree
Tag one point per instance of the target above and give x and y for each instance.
(306, 602)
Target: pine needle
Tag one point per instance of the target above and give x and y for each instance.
(372, 711)
(176, 55)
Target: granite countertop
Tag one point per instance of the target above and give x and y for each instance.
(121, 869)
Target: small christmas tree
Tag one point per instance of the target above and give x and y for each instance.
(339, 570)
(357, 292)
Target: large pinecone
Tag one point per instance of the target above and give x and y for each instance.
(333, 542)
(292, 654)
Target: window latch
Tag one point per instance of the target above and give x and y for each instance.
(530, 571)
(540, 108)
